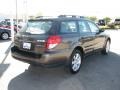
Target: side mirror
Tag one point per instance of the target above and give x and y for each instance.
(101, 30)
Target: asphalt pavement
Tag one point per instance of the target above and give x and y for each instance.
(98, 72)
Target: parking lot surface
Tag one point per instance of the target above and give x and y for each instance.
(4, 48)
(98, 72)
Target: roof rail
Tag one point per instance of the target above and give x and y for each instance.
(70, 16)
(44, 17)
(60, 16)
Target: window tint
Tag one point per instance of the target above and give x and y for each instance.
(83, 27)
(68, 27)
(93, 27)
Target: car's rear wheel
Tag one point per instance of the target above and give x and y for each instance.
(4, 36)
(106, 50)
(75, 61)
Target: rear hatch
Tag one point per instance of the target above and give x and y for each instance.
(32, 38)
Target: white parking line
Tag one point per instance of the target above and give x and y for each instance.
(4, 50)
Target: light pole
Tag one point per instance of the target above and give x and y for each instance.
(12, 29)
(17, 15)
(26, 11)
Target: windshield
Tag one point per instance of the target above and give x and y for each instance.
(37, 27)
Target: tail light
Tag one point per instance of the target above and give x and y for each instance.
(53, 41)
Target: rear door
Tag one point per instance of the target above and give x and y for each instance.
(69, 32)
(86, 38)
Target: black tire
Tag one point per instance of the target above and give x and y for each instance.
(106, 49)
(75, 69)
(4, 36)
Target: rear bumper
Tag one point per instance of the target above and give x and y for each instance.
(47, 59)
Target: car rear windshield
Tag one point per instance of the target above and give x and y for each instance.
(37, 27)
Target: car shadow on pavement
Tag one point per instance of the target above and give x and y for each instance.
(3, 68)
(2, 41)
(98, 72)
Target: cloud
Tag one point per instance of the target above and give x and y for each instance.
(55, 7)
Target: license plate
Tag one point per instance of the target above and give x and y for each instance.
(27, 46)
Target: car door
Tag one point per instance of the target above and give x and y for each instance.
(86, 37)
(98, 37)
(69, 33)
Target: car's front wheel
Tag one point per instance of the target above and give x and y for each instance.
(75, 61)
(106, 49)
(4, 36)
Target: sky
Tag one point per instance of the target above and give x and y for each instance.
(99, 8)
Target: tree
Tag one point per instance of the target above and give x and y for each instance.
(93, 18)
(107, 20)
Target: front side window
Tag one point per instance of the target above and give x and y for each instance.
(68, 27)
(37, 27)
(93, 27)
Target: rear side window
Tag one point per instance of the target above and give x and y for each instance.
(38, 27)
(68, 27)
